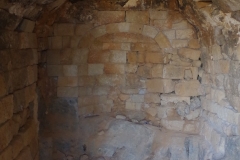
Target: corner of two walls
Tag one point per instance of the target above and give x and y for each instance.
(18, 94)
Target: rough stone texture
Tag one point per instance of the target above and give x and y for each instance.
(189, 88)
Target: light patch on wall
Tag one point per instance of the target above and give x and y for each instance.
(131, 3)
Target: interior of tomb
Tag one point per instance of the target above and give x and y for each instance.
(119, 80)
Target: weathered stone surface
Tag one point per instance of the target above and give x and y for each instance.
(26, 26)
(6, 108)
(95, 69)
(106, 17)
(227, 5)
(176, 125)
(6, 131)
(168, 98)
(114, 69)
(67, 92)
(173, 72)
(157, 71)
(189, 88)
(141, 17)
(160, 85)
(25, 154)
(70, 70)
(162, 40)
(67, 81)
(179, 43)
(152, 98)
(193, 43)
(156, 57)
(149, 31)
(189, 53)
(185, 34)
(158, 14)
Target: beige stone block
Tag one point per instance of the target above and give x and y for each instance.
(170, 34)
(144, 47)
(136, 98)
(189, 53)
(141, 17)
(175, 125)
(194, 71)
(74, 41)
(113, 28)
(135, 28)
(28, 40)
(79, 56)
(85, 91)
(173, 98)
(67, 81)
(194, 44)
(160, 85)
(157, 71)
(191, 127)
(63, 29)
(158, 14)
(101, 90)
(185, 34)
(162, 112)
(116, 46)
(86, 41)
(6, 108)
(130, 106)
(188, 74)
(152, 111)
(25, 154)
(85, 110)
(189, 88)
(193, 115)
(196, 63)
(99, 31)
(221, 66)
(131, 68)
(123, 97)
(156, 57)
(106, 17)
(86, 81)
(152, 98)
(26, 26)
(6, 154)
(181, 25)
(160, 24)
(17, 145)
(149, 31)
(67, 92)
(91, 100)
(117, 56)
(128, 91)
(82, 29)
(55, 70)
(70, 70)
(95, 69)
(179, 43)
(114, 69)
(162, 40)
(135, 57)
(96, 56)
(216, 52)
(111, 80)
(83, 70)
(32, 74)
(55, 42)
(123, 27)
(144, 71)
(173, 72)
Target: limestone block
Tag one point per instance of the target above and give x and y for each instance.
(96, 56)
(86, 41)
(70, 70)
(158, 14)
(91, 100)
(123, 97)
(144, 47)
(123, 27)
(151, 98)
(63, 29)
(162, 40)
(19, 78)
(189, 53)
(25, 154)
(28, 40)
(114, 69)
(173, 72)
(170, 34)
(189, 88)
(221, 66)
(191, 127)
(188, 74)
(6, 131)
(133, 106)
(95, 69)
(217, 95)
(152, 111)
(79, 56)
(156, 57)
(193, 115)
(6, 154)
(179, 43)
(136, 28)
(144, 71)
(157, 71)
(197, 63)
(181, 25)
(26, 26)
(86, 81)
(32, 74)
(6, 108)
(162, 112)
(85, 91)
(141, 17)
(160, 85)
(106, 17)
(194, 44)
(131, 68)
(55, 42)
(175, 125)
(118, 56)
(67, 81)
(99, 31)
(101, 90)
(173, 98)
(111, 80)
(135, 57)
(82, 29)
(216, 52)
(149, 31)
(55, 70)
(185, 34)
(83, 70)
(67, 92)
(85, 110)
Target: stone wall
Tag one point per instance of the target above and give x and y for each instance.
(18, 97)
(122, 61)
